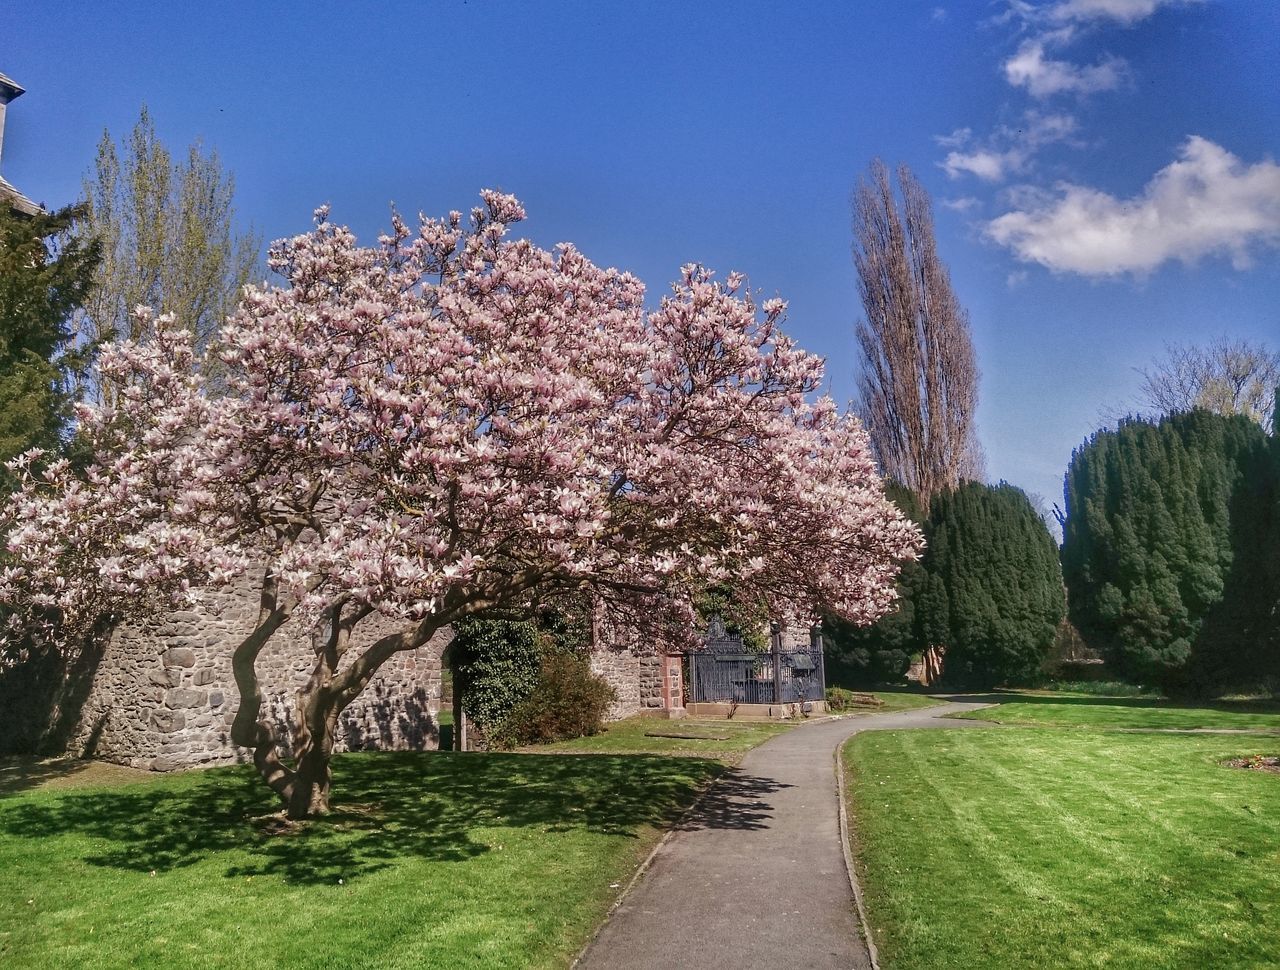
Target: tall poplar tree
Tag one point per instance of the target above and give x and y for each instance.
(918, 387)
(167, 236)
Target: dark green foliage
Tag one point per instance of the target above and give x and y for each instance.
(881, 653)
(526, 678)
(994, 565)
(988, 588)
(748, 620)
(45, 274)
(1163, 531)
(568, 701)
(495, 664)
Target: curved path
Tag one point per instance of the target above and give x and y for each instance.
(755, 875)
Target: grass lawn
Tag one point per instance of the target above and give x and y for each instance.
(1034, 848)
(431, 860)
(1082, 710)
(900, 701)
(726, 740)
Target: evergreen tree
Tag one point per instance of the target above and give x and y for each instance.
(994, 593)
(1157, 516)
(45, 274)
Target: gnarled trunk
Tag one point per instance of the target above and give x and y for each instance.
(304, 786)
(317, 722)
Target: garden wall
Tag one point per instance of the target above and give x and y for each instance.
(163, 696)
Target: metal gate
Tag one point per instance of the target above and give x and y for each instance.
(727, 670)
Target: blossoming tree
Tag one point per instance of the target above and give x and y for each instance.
(446, 422)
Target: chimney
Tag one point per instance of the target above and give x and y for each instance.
(10, 89)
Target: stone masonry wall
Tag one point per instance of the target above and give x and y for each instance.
(635, 677)
(163, 696)
(621, 668)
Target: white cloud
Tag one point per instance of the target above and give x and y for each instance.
(1008, 150)
(1206, 202)
(1032, 68)
(1125, 12)
(962, 204)
(988, 166)
(1121, 11)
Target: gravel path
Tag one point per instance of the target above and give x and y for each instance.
(755, 876)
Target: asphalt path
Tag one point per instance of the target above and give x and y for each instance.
(755, 876)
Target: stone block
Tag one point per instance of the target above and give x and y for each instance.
(165, 678)
(168, 721)
(179, 657)
(216, 698)
(167, 762)
(204, 676)
(185, 697)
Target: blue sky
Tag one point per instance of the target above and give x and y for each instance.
(1104, 170)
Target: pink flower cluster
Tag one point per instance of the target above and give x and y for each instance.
(450, 420)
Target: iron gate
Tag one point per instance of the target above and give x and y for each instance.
(727, 670)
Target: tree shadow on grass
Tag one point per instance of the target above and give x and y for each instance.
(20, 773)
(388, 807)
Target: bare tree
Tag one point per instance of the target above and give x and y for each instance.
(1226, 376)
(919, 382)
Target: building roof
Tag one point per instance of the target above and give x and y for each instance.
(17, 199)
(9, 88)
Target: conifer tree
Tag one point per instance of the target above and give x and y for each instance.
(865, 656)
(1157, 516)
(45, 273)
(994, 594)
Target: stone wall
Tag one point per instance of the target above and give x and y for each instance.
(636, 678)
(621, 669)
(163, 695)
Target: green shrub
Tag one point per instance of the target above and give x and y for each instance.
(496, 660)
(568, 701)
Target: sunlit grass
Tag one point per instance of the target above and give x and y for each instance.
(1044, 848)
(431, 860)
(1080, 710)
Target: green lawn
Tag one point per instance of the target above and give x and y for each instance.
(1081, 710)
(1035, 848)
(901, 701)
(434, 860)
(724, 740)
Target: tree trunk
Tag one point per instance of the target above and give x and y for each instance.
(313, 753)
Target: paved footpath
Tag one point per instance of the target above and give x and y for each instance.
(755, 877)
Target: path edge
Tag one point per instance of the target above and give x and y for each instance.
(864, 926)
(643, 868)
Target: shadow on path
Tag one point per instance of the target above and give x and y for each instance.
(737, 800)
